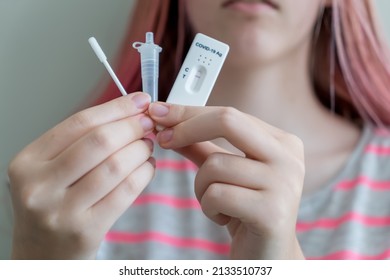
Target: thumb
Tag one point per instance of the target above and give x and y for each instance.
(199, 152)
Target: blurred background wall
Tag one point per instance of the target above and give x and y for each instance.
(47, 68)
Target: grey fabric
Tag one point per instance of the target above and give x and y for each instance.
(352, 224)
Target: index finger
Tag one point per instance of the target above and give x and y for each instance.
(50, 144)
(189, 125)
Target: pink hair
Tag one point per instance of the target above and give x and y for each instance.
(165, 19)
(350, 62)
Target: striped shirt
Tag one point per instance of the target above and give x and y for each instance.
(348, 218)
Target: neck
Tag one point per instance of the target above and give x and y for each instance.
(266, 90)
(263, 93)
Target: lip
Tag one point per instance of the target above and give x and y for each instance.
(252, 7)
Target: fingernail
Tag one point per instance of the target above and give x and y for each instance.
(146, 123)
(165, 136)
(152, 161)
(159, 110)
(160, 127)
(149, 143)
(141, 100)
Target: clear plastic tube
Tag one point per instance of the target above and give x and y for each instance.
(149, 65)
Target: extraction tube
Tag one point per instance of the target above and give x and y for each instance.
(149, 65)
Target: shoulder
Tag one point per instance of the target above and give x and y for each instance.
(351, 215)
(375, 153)
(369, 164)
(378, 141)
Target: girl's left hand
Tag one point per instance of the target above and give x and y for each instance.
(257, 195)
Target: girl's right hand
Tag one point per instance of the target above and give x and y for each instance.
(70, 185)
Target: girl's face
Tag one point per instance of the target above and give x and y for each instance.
(256, 30)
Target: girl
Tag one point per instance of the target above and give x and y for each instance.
(304, 88)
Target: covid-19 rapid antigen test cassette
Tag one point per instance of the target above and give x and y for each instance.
(199, 71)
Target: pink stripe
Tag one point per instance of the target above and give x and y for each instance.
(382, 132)
(185, 243)
(377, 150)
(180, 203)
(337, 222)
(363, 180)
(349, 255)
(177, 165)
